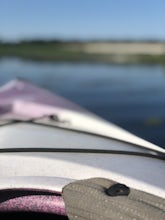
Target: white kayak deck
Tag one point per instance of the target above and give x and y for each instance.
(139, 172)
(76, 129)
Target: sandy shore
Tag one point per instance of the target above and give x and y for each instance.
(124, 48)
(105, 52)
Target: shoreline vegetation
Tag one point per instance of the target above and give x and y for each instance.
(115, 52)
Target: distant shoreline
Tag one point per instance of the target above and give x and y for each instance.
(95, 51)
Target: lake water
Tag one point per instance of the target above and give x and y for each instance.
(131, 96)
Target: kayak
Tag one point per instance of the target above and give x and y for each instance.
(58, 159)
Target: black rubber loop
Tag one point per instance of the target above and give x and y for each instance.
(118, 190)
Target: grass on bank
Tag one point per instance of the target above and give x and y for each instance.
(64, 51)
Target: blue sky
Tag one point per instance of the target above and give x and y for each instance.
(82, 19)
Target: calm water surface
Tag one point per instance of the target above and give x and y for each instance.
(133, 96)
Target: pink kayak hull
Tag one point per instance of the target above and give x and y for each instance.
(20, 98)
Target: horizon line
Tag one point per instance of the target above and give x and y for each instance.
(63, 40)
